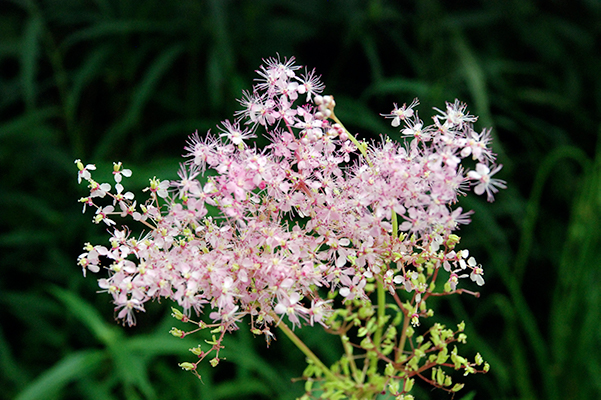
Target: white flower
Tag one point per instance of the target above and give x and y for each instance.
(483, 175)
(400, 114)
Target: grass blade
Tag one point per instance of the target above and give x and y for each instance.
(70, 368)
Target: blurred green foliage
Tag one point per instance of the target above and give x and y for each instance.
(109, 80)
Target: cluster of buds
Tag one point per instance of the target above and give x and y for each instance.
(305, 231)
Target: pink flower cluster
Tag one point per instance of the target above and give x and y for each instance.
(314, 209)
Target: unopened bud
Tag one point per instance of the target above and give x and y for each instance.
(196, 351)
(452, 240)
(177, 314)
(187, 366)
(389, 371)
(457, 387)
(408, 385)
(177, 332)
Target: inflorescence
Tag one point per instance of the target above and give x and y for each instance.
(306, 230)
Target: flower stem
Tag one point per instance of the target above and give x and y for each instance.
(306, 350)
(381, 293)
(359, 145)
(403, 338)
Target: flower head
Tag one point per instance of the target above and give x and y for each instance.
(266, 233)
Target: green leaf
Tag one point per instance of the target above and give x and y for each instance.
(114, 27)
(70, 368)
(29, 57)
(24, 122)
(9, 367)
(140, 98)
(85, 73)
(132, 367)
(410, 87)
(241, 387)
(469, 396)
(88, 315)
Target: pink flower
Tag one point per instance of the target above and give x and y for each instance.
(483, 175)
(352, 288)
(98, 189)
(258, 110)
(311, 127)
(102, 215)
(247, 231)
(319, 310)
(118, 172)
(234, 134)
(127, 310)
(159, 187)
(477, 145)
(401, 114)
(456, 114)
(89, 260)
(84, 172)
(202, 152)
(121, 197)
(310, 85)
(289, 305)
(476, 276)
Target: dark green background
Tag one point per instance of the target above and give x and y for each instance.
(110, 80)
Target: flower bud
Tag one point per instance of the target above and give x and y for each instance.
(187, 366)
(196, 351)
(177, 332)
(408, 385)
(177, 314)
(457, 387)
(452, 240)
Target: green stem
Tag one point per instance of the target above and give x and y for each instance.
(348, 350)
(381, 293)
(403, 339)
(306, 350)
(359, 145)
